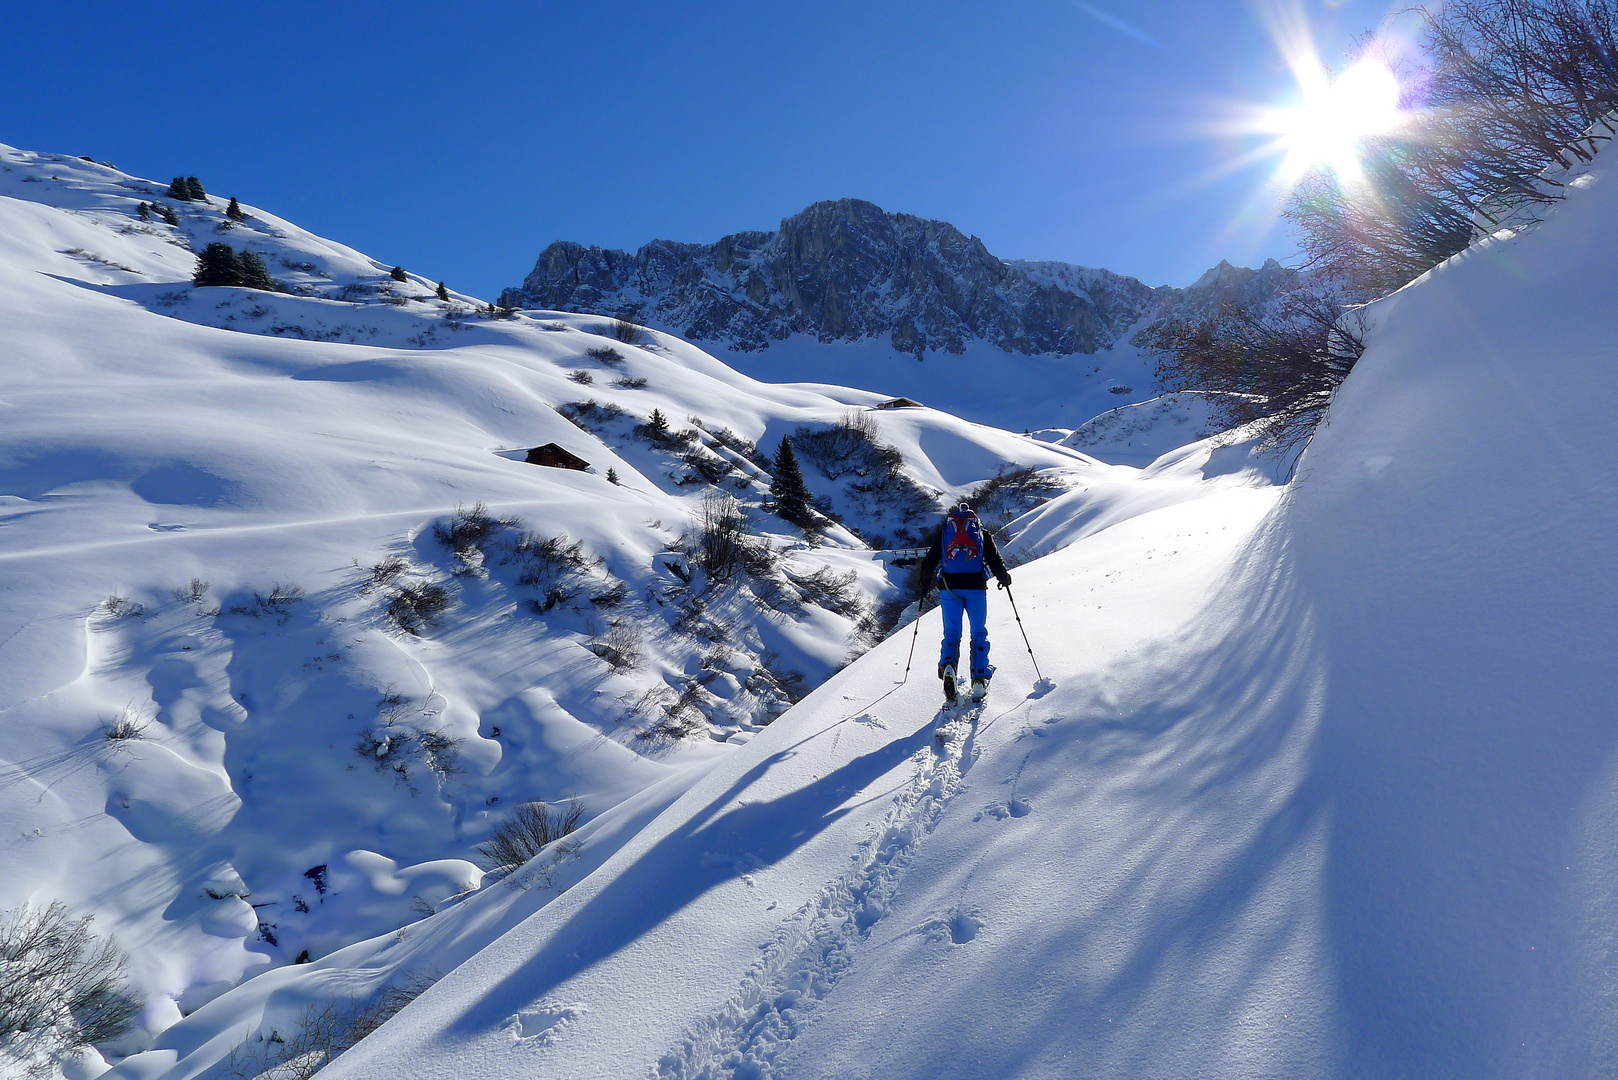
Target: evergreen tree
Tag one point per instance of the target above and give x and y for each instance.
(787, 486)
(218, 265)
(167, 214)
(398, 274)
(234, 210)
(657, 426)
(612, 475)
(179, 189)
(195, 187)
(144, 211)
(443, 293)
(255, 275)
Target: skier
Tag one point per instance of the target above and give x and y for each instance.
(963, 556)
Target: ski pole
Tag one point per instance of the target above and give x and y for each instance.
(913, 635)
(1027, 646)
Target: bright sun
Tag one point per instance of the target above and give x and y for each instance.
(1329, 126)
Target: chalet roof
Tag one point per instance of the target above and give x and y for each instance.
(556, 457)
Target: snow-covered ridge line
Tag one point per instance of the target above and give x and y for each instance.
(848, 271)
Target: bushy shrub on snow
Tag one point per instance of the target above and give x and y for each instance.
(1011, 493)
(876, 480)
(415, 605)
(590, 415)
(528, 830)
(61, 986)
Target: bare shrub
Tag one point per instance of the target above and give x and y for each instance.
(850, 445)
(469, 534)
(437, 752)
(131, 724)
(723, 436)
(620, 647)
(404, 739)
(527, 831)
(383, 573)
(719, 540)
(625, 382)
(194, 593)
(606, 354)
(554, 565)
(622, 329)
(61, 986)
(323, 1032)
(685, 717)
(591, 416)
(705, 463)
(469, 528)
(838, 593)
(415, 605)
(119, 606)
(611, 596)
(582, 377)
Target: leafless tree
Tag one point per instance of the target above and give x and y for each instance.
(1508, 89)
(1280, 365)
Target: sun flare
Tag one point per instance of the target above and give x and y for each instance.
(1329, 126)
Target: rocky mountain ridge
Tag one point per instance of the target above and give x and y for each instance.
(846, 270)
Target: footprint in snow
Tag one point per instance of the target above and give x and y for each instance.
(543, 1022)
(1015, 808)
(956, 927)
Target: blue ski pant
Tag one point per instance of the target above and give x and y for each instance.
(974, 603)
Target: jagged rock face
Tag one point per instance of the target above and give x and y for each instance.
(847, 270)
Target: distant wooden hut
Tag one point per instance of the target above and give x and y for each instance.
(555, 457)
(899, 403)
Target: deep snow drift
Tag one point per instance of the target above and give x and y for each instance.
(1327, 784)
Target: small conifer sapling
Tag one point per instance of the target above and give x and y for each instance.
(443, 293)
(657, 426)
(398, 274)
(787, 485)
(234, 210)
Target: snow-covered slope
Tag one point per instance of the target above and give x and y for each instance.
(1324, 784)
(219, 741)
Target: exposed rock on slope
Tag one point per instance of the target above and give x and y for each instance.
(847, 271)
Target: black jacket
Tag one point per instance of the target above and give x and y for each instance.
(961, 582)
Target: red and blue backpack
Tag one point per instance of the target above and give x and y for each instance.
(962, 543)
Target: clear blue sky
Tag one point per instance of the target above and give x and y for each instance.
(459, 139)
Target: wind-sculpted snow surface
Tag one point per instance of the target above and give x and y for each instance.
(1326, 785)
(290, 624)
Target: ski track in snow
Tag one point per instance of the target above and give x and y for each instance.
(802, 964)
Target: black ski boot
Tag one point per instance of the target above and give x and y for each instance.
(949, 683)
